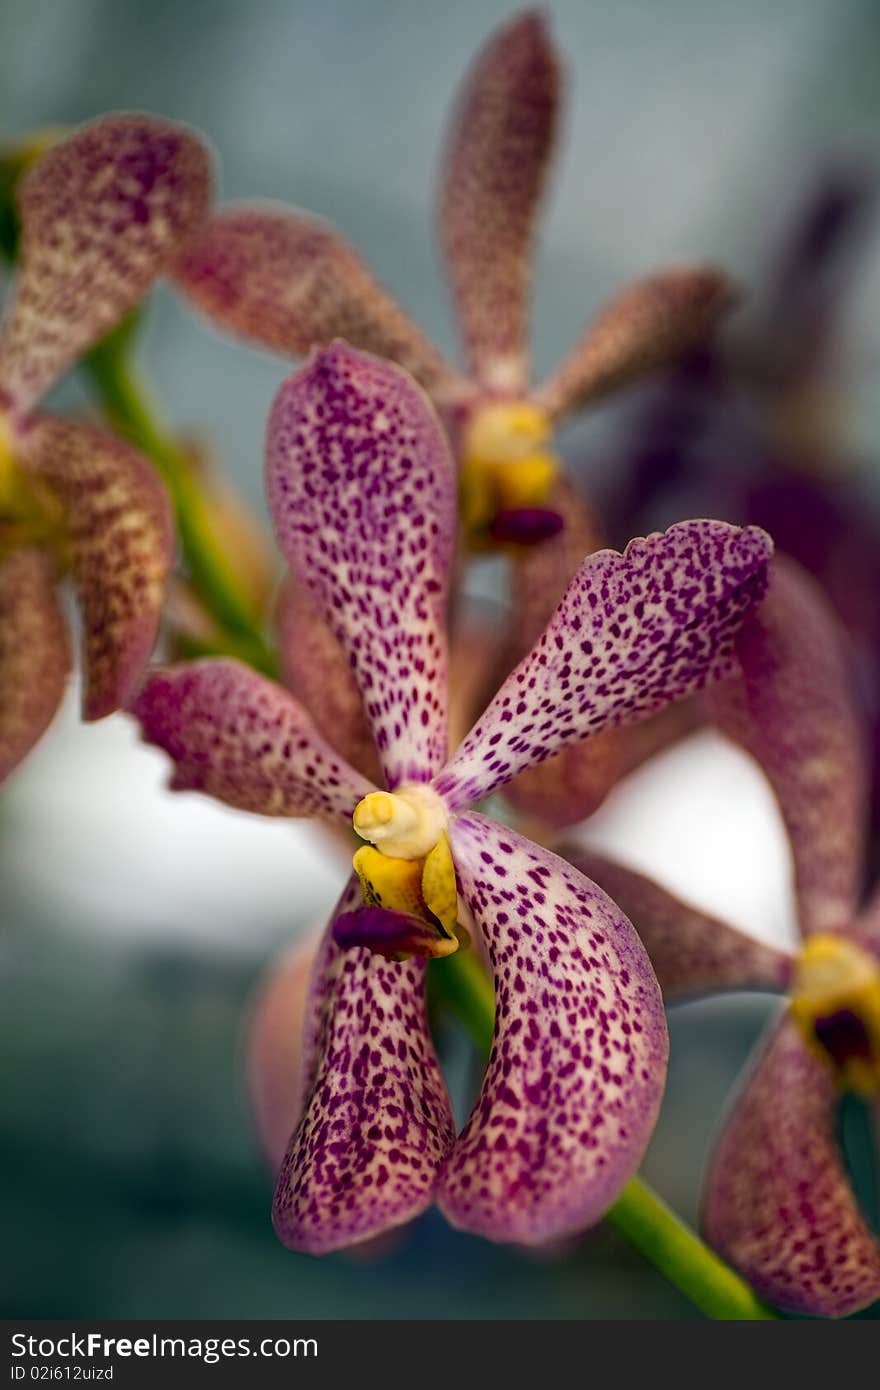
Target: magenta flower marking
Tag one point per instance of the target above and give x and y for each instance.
(103, 214)
(778, 1202)
(363, 496)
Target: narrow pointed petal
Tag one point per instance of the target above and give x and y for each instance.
(578, 1060)
(495, 169)
(691, 951)
(362, 491)
(119, 534)
(34, 655)
(290, 282)
(647, 325)
(243, 739)
(794, 709)
(778, 1203)
(316, 670)
(633, 633)
(103, 214)
(275, 1052)
(377, 1124)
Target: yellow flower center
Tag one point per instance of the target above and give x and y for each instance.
(506, 462)
(836, 1003)
(408, 865)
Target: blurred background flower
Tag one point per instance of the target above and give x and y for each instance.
(134, 925)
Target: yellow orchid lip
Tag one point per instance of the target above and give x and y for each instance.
(836, 1003)
(506, 462)
(408, 868)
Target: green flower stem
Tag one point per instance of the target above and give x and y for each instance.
(126, 403)
(648, 1224)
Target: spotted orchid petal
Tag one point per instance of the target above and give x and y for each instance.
(243, 739)
(633, 633)
(647, 325)
(315, 669)
(494, 174)
(377, 1123)
(103, 214)
(34, 655)
(290, 282)
(691, 951)
(794, 709)
(578, 1060)
(362, 491)
(275, 1052)
(778, 1203)
(117, 531)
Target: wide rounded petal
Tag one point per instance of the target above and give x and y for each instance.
(778, 1203)
(103, 213)
(494, 174)
(288, 281)
(578, 1060)
(362, 491)
(275, 1051)
(34, 654)
(243, 739)
(691, 951)
(118, 530)
(647, 325)
(377, 1123)
(633, 633)
(316, 670)
(794, 709)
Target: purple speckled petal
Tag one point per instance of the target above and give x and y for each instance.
(778, 1203)
(290, 282)
(494, 174)
(275, 1054)
(103, 214)
(691, 951)
(244, 740)
(794, 709)
(315, 669)
(377, 1123)
(34, 655)
(633, 633)
(578, 1060)
(117, 530)
(648, 324)
(362, 490)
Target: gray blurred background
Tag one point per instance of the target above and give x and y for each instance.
(135, 926)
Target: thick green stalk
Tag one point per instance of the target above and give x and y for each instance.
(126, 404)
(648, 1224)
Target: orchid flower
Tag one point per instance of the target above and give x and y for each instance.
(102, 214)
(287, 281)
(361, 486)
(778, 1203)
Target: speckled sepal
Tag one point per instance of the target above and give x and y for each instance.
(578, 1061)
(362, 492)
(244, 740)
